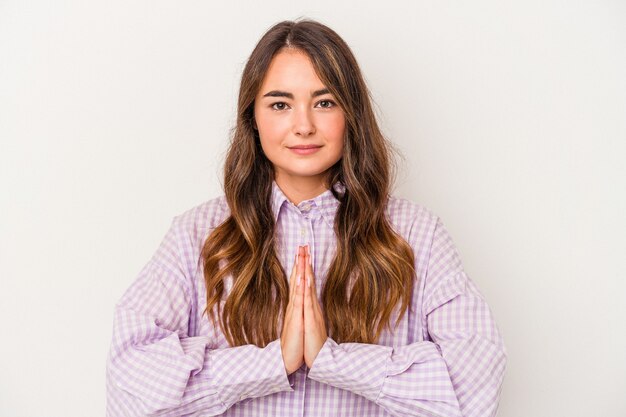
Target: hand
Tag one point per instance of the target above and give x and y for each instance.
(314, 326)
(304, 329)
(292, 336)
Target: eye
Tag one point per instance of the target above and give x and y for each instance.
(326, 104)
(279, 106)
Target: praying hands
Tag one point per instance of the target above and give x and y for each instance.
(304, 330)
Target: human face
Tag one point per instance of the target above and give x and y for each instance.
(300, 125)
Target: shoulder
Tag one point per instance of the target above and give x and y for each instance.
(427, 235)
(190, 228)
(410, 219)
(203, 217)
(436, 256)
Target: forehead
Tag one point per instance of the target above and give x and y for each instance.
(293, 69)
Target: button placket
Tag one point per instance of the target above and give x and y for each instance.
(305, 210)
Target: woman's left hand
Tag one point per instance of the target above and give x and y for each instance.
(314, 327)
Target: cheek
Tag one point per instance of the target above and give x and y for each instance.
(336, 130)
(271, 131)
(271, 136)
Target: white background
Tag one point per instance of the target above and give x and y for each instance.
(511, 116)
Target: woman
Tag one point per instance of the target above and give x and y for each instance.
(306, 289)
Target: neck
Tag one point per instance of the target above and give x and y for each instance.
(298, 189)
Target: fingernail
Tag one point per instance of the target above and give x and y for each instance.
(298, 281)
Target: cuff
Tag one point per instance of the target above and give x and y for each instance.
(248, 372)
(357, 367)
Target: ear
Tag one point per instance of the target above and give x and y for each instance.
(254, 126)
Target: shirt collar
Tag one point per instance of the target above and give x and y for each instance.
(326, 202)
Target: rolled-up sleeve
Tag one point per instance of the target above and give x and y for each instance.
(456, 372)
(156, 368)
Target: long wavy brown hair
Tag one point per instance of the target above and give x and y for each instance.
(372, 272)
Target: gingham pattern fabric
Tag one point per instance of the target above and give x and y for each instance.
(446, 357)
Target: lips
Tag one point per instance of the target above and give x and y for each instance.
(304, 149)
(304, 146)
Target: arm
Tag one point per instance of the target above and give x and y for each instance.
(458, 372)
(156, 368)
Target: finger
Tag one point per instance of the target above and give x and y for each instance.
(309, 289)
(301, 264)
(292, 278)
(312, 301)
(292, 292)
(311, 282)
(299, 288)
(298, 298)
(309, 269)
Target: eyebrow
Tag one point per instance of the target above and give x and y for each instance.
(276, 93)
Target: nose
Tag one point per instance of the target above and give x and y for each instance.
(303, 124)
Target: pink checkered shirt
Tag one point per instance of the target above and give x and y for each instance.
(446, 357)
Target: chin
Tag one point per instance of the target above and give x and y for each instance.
(311, 172)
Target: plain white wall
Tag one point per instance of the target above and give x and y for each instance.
(114, 117)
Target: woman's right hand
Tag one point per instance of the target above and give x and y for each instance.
(292, 336)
